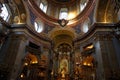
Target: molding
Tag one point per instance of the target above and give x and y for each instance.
(97, 27)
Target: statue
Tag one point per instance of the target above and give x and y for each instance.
(64, 65)
(63, 72)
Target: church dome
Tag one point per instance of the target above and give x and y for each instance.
(72, 10)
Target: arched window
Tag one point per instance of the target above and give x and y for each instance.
(5, 13)
(83, 4)
(63, 13)
(43, 7)
(38, 27)
(86, 25)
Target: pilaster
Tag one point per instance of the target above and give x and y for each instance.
(105, 55)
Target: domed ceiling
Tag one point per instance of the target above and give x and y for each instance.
(50, 18)
(76, 9)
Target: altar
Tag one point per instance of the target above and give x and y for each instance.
(63, 62)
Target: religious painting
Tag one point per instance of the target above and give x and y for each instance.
(64, 66)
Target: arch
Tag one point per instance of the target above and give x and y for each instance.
(62, 35)
(62, 39)
(106, 11)
(59, 31)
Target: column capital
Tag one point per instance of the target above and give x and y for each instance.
(21, 36)
(102, 36)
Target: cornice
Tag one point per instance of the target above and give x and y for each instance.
(25, 26)
(32, 35)
(94, 27)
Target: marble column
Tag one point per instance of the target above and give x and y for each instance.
(12, 53)
(106, 57)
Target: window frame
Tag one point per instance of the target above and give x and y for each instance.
(86, 25)
(63, 13)
(83, 5)
(38, 26)
(44, 7)
(5, 9)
